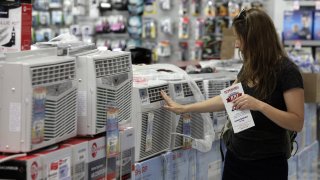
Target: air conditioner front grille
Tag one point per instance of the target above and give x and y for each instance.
(197, 126)
(54, 73)
(214, 87)
(60, 116)
(121, 97)
(161, 133)
(154, 93)
(187, 91)
(179, 139)
(112, 65)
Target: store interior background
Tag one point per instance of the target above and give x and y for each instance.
(302, 166)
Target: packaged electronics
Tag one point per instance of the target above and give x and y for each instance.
(297, 25)
(15, 27)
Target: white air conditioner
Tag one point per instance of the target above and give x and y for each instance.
(212, 87)
(181, 93)
(103, 77)
(38, 104)
(151, 122)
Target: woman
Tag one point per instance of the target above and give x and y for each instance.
(273, 92)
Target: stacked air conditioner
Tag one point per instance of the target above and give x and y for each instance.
(103, 77)
(151, 122)
(181, 93)
(38, 104)
(212, 86)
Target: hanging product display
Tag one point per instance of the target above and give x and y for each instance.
(233, 9)
(222, 9)
(183, 7)
(136, 7)
(166, 26)
(164, 49)
(199, 31)
(184, 47)
(196, 7)
(105, 5)
(117, 23)
(210, 10)
(184, 28)
(165, 4)
(197, 53)
(150, 7)
(120, 4)
(135, 27)
(149, 28)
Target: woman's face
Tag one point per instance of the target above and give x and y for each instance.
(238, 43)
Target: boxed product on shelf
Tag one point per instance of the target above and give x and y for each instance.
(151, 169)
(127, 153)
(80, 153)
(97, 158)
(209, 164)
(313, 153)
(316, 25)
(15, 29)
(310, 118)
(292, 168)
(56, 162)
(311, 83)
(28, 167)
(297, 25)
(176, 164)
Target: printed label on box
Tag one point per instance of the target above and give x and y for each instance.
(187, 142)
(38, 114)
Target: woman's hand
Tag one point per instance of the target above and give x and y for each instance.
(171, 105)
(247, 102)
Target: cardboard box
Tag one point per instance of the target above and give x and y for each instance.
(56, 163)
(311, 82)
(80, 153)
(27, 167)
(151, 169)
(228, 44)
(97, 159)
(127, 156)
(15, 27)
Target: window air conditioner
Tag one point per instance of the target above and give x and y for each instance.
(181, 93)
(151, 122)
(103, 77)
(38, 104)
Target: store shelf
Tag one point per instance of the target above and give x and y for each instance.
(303, 42)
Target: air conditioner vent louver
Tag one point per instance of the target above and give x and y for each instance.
(154, 93)
(112, 65)
(161, 133)
(179, 139)
(214, 87)
(119, 97)
(53, 73)
(60, 116)
(187, 91)
(197, 126)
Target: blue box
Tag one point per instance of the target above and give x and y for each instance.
(297, 25)
(316, 26)
(151, 169)
(209, 164)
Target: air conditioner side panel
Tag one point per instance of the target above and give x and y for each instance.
(12, 108)
(83, 110)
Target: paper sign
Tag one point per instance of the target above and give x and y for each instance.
(240, 119)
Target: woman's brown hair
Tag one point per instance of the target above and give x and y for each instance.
(261, 50)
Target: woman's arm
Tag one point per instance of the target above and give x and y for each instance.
(211, 105)
(292, 119)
